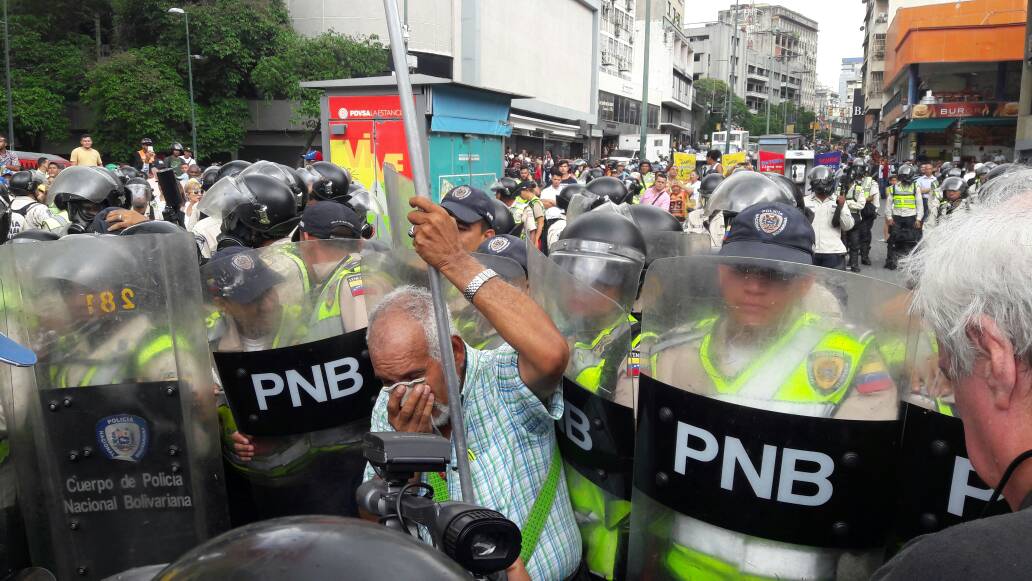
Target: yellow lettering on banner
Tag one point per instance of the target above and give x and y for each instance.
(685, 164)
(732, 160)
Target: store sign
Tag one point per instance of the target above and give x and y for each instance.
(963, 109)
(772, 161)
(365, 107)
(366, 132)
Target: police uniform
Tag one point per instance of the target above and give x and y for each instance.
(861, 194)
(906, 207)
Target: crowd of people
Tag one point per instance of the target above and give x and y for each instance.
(601, 225)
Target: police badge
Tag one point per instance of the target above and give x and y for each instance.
(123, 437)
(827, 370)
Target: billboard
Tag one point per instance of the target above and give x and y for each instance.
(772, 161)
(366, 131)
(832, 159)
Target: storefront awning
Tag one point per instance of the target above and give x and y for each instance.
(928, 125)
(552, 128)
(990, 121)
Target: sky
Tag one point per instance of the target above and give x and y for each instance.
(838, 24)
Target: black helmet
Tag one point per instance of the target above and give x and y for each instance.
(741, 190)
(822, 180)
(906, 173)
(654, 219)
(504, 223)
(254, 209)
(86, 190)
(139, 191)
(22, 183)
(955, 173)
(633, 186)
(505, 187)
(209, 176)
(282, 174)
(945, 169)
(708, 184)
(152, 227)
(314, 548)
(790, 187)
(562, 199)
(128, 172)
(333, 181)
(605, 250)
(1001, 169)
(34, 235)
(955, 184)
(595, 173)
(609, 188)
(232, 168)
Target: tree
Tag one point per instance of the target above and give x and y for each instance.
(136, 94)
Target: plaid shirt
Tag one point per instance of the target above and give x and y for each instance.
(511, 436)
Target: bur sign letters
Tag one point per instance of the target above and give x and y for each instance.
(332, 380)
(689, 439)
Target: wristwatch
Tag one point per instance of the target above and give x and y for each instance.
(478, 281)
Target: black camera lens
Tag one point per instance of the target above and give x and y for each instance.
(482, 541)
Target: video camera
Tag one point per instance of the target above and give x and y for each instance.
(481, 540)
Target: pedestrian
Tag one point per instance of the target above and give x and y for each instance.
(550, 194)
(85, 154)
(931, 195)
(903, 215)
(191, 214)
(188, 157)
(680, 201)
(713, 164)
(657, 195)
(972, 290)
(40, 173)
(174, 159)
(533, 213)
(564, 172)
(831, 218)
(648, 177)
(511, 396)
(144, 157)
(9, 161)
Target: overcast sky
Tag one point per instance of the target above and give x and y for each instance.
(838, 21)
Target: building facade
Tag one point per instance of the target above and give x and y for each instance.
(951, 82)
(477, 44)
(767, 52)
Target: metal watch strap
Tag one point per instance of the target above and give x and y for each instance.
(477, 282)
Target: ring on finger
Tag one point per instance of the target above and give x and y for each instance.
(412, 232)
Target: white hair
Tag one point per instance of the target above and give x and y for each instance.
(1005, 187)
(417, 304)
(976, 264)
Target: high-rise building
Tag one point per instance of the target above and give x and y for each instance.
(767, 52)
(852, 69)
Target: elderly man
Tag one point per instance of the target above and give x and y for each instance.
(511, 395)
(972, 289)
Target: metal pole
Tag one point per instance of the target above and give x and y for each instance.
(731, 75)
(643, 130)
(422, 184)
(7, 70)
(770, 77)
(189, 76)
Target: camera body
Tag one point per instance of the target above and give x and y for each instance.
(483, 541)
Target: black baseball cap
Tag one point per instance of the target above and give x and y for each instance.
(527, 185)
(238, 274)
(506, 246)
(327, 219)
(469, 205)
(770, 230)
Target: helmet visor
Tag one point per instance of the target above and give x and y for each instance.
(611, 274)
(225, 196)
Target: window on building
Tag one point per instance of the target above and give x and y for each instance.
(697, 57)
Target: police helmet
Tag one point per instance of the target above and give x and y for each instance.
(314, 548)
(35, 235)
(22, 183)
(562, 199)
(709, 183)
(177, 146)
(231, 168)
(209, 176)
(128, 172)
(945, 169)
(822, 180)
(333, 181)
(594, 173)
(605, 250)
(907, 173)
(112, 265)
(789, 186)
(152, 227)
(283, 174)
(504, 222)
(139, 191)
(955, 184)
(633, 186)
(609, 188)
(254, 209)
(955, 173)
(654, 219)
(741, 190)
(505, 187)
(85, 191)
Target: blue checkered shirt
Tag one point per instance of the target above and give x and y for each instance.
(511, 437)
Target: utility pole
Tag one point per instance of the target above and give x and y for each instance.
(770, 75)
(731, 76)
(7, 70)
(643, 131)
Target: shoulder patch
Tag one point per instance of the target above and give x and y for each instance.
(828, 370)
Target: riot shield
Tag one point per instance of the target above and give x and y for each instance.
(288, 340)
(596, 433)
(767, 423)
(673, 244)
(399, 191)
(114, 428)
(938, 485)
(14, 549)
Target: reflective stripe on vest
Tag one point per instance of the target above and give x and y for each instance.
(601, 518)
(903, 199)
(306, 281)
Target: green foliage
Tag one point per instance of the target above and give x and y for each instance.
(38, 114)
(327, 56)
(221, 126)
(712, 95)
(134, 94)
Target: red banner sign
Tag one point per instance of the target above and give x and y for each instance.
(366, 131)
(365, 107)
(772, 161)
(964, 109)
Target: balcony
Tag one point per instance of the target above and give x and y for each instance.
(758, 77)
(756, 95)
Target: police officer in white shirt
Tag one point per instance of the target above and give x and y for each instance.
(831, 218)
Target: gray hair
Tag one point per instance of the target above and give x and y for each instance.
(1014, 183)
(417, 304)
(976, 264)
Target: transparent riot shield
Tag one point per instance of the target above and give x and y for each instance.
(474, 329)
(115, 428)
(399, 191)
(767, 422)
(938, 485)
(596, 433)
(674, 244)
(14, 548)
(288, 341)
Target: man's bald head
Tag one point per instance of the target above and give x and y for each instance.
(402, 314)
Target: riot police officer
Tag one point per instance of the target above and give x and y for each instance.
(255, 210)
(734, 194)
(27, 212)
(862, 199)
(903, 215)
(84, 191)
(332, 181)
(506, 190)
(954, 192)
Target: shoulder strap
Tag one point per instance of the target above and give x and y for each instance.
(542, 507)
(24, 210)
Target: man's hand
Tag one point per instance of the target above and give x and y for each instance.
(888, 220)
(243, 447)
(917, 224)
(414, 414)
(840, 201)
(436, 237)
(122, 219)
